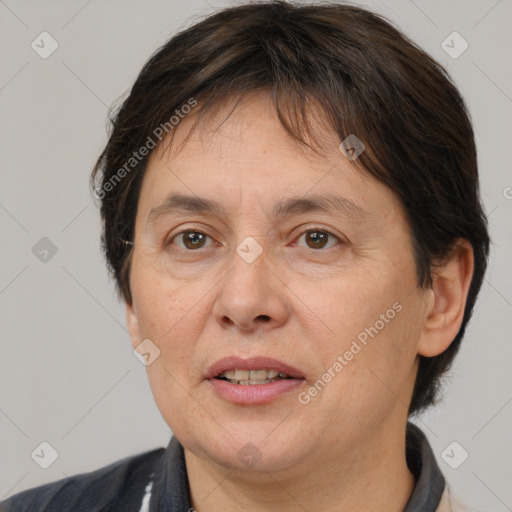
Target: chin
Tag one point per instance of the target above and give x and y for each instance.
(246, 451)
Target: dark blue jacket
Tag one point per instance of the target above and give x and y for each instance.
(120, 487)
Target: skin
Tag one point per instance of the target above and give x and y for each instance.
(208, 303)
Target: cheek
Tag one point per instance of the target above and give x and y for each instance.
(351, 304)
(167, 317)
(159, 302)
(373, 326)
(383, 368)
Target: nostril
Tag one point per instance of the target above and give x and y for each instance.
(228, 320)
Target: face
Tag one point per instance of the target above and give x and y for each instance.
(281, 260)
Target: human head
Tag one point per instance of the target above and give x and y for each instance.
(339, 63)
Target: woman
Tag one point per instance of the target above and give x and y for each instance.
(291, 213)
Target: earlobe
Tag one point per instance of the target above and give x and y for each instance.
(132, 324)
(445, 309)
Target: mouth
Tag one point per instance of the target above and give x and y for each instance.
(257, 380)
(252, 377)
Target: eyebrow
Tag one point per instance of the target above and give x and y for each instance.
(329, 203)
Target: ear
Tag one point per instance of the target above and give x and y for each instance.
(447, 301)
(133, 325)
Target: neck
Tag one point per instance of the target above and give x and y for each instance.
(371, 478)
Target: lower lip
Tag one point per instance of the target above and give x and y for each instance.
(253, 394)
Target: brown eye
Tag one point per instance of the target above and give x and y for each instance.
(317, 239)
(190, 239)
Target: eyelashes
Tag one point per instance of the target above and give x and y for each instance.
(193, 240)
(319, 237)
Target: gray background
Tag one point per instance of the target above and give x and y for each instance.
(67, 372)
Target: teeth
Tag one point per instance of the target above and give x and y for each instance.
(258, 375)
(242, 374)
(250, 382)
(249, 377)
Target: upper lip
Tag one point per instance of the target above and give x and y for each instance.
(253, 363)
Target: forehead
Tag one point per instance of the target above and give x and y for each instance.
(243, 157)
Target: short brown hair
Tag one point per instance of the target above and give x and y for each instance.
(365, 77)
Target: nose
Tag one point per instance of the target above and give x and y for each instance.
(251, 296)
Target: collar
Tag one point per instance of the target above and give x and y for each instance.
(171, 492)
(430, 483)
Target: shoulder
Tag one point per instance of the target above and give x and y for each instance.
(449, 503)
(118, 486)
